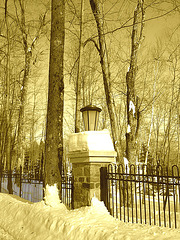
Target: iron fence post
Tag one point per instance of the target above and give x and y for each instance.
(103, 186)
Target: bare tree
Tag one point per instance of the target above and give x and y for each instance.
(133, 113)
(78, 81)
(8, 124)
(28, 53)
(104, 60)
(54, 129)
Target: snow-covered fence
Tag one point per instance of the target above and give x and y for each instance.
(142, 194)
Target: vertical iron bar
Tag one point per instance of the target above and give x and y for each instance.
(132, 200)
(69, 189)
(174, 196)
(66, 188)
(154, 208)
(127, 186)
(112, 183)
(136, 196)
(120, 189)
(108, 190)
(144, 192)
(167, 194)
(149, 200)
(116, 190)
(164, 186)
(72, 192)
(178, 188)
(123, 195)
(139, 176)
(157, 171)
(20, 176)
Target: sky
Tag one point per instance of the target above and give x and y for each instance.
(51, 220)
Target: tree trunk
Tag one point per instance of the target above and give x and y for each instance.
(95, 6)
(23, 95)
(152, 113)
(133, 114)
(54, 128)
(8, 123)
(78, 81)
(28, 48)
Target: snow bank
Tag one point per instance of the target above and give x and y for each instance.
(38, 221)
(52, 196)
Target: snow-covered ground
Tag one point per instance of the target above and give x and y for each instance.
(51, 220)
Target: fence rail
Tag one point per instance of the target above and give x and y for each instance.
(141, 194)
(29, 185)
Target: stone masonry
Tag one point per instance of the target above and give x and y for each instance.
(87, 156)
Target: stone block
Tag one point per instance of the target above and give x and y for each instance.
(87, 179)
(86, 185)
(97, 185)
(78, 171)
(94, 179)
(87, 170)
(81, 179)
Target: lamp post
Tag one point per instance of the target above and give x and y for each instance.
(90, 115)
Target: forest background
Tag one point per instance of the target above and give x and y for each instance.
(24, 73)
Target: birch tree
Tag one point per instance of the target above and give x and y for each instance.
(54, 128)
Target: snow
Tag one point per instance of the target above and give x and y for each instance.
(126, 164)
(23, 220)
(128, 129)
(91, 140)
(132, 107)
(52, 196)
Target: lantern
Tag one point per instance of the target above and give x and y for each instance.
(90, 115)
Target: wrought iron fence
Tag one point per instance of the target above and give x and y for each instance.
(29, 185)
(68, 191)
(141, 194)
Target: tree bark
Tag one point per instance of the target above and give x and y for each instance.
(8, 121)
(23, 93)
(133, 114)
(54, 128)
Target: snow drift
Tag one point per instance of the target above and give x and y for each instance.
(24, 220)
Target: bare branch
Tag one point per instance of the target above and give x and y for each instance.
(91, 40)
(138, 22)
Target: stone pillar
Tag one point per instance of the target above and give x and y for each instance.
(88, 152)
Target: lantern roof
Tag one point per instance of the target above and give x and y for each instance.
(90, 108)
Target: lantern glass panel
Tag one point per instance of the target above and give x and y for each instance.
(86, 120)
(92, 120)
